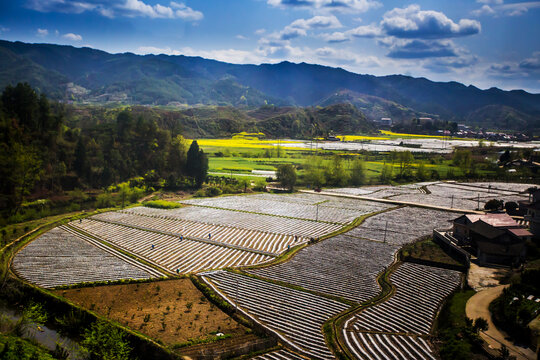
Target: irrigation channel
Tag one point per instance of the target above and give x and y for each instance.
(45, 335)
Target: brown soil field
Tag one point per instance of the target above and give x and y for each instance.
(172, 311)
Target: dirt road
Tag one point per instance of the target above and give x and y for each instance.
(478, 306)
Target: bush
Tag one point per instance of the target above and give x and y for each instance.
(213, 191)
(162, 204)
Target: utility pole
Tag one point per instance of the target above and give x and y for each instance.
(385, 229)
(317, 219)
(478, 202)
(452, 204)
(236, 300)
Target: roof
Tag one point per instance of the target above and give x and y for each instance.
(519, 232)
(496, 220)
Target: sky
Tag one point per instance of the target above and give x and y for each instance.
(486, 43)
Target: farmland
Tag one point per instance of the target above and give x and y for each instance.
(394, 326)
(258, 222)
(272, 205)
(171, 311)
(293, 297)
(61, 257)
(297, 315)
(170, 252)
(403, 225)
(341, 266)
(244, 238)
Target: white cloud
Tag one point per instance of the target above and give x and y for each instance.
(412, 22)
(335, 37)
(500, 9)
(241, 37)
(42, 32)
(484, 10)
(260, 31)
(72, 37)
(365, 31)
(115, 8)
(494, 2)
(317, 22)
(343, 6)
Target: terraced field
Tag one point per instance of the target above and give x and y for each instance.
(392, 329)
(367, 346)
(257, 222)
(296, 315)
(341, 266)
(169, 251)
(250, 239)
(420, 291)
(403, 225)
(298, 210)
(62, 257)
(279, 355)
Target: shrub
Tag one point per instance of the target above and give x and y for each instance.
(162, 204)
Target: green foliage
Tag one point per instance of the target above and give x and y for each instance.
(162, 204)
(105, 341)
(358, 172)
(286, 175)
(493, 205)
(457, 333)
(336, 174)
(196, 164)
(13, 348)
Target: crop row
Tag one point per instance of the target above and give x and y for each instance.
(183, 256)
(286, 208)
(258, 222)
(419, 292)
(341, 266)
(257, 240)
(403, 225)
(278, 355)
(60, 257)
(296, 315)
(325, 201)
(367, 346)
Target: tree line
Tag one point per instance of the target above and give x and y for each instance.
(41, 155)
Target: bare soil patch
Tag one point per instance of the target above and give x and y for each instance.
(173, 311)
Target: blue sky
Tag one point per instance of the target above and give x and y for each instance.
(481, 42)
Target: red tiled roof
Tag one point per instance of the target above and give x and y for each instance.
(495, 220)
(520, 232)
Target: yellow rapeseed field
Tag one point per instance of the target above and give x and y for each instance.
(240, 142)
(389, 133)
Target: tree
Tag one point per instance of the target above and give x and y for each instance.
(105, 341)
(405, 160)
(336, 174)
(358, 174)
(314, 173)
(463, 159)
(494, 204)
(386, 173)
(421, 172)
(286, 175)
(511, 207)
(196, 164)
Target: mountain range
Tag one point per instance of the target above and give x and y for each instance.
(87, 75)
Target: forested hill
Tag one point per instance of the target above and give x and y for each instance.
(84, 74)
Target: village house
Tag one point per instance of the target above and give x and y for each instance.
(496, 238)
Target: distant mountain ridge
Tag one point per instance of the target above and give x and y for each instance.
(84, 74)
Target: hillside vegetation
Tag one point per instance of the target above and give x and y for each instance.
(94, 76)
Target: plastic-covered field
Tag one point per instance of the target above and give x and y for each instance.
(170, 252)
(228, 235)
(258, 222)
(342, 266)
(393, 329)
(278, 205)
(63, 257)
(403, 225)
(297, 315)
